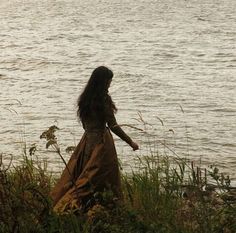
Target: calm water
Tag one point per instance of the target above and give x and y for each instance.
(172, 60)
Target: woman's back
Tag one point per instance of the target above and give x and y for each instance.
(95, 121)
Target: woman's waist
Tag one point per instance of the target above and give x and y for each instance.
(95, 130)
(96, 136)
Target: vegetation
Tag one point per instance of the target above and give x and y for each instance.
(165, 194)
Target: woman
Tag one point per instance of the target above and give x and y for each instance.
(93, 167)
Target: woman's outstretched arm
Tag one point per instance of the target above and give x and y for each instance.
(116, 129)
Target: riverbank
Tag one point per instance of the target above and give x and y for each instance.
(165, 195)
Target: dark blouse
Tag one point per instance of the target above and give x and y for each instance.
(94, 125)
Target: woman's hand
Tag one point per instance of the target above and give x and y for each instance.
(134, 146)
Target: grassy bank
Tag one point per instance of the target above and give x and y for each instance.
(159, 198)
(163, 195)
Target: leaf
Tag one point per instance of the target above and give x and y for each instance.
(32, 150)
(70, 149)
(53, 128)
(43, 135)
(50, 142)
(49, 134)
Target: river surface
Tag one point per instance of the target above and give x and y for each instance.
(174, 62)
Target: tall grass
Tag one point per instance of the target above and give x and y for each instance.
(165, 194)
(180, 198)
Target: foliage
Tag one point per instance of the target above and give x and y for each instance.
(164, 195)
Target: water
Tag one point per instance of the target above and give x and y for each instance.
(172, 60)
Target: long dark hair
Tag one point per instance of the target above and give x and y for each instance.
(95, 94)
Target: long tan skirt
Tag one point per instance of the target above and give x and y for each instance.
(93, 167)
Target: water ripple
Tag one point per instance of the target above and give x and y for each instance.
(164, 54)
